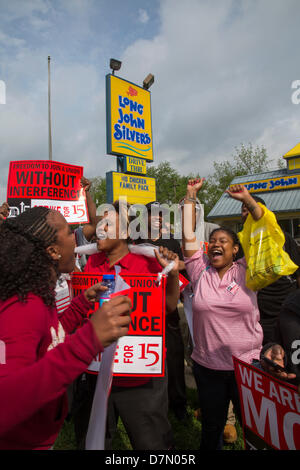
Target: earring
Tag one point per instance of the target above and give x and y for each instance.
(59, 256)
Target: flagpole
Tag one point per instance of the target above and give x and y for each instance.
(49, 112)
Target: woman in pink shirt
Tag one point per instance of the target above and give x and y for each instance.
(225, 315)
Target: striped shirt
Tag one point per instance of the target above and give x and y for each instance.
(225, 314)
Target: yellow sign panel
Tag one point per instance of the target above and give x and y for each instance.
(275, 184)
(137, 189)
(135, 165)
(129, 127)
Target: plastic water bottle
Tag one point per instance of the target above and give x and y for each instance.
(108, 281)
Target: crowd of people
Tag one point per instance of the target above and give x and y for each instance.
(47, 354)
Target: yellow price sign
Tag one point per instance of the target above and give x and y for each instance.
(128, 119)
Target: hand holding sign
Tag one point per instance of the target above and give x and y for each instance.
(85, 183)
(165, 257)
(112, 320)
(273, 362)
(4, 210)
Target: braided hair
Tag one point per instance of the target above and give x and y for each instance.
(26, 267)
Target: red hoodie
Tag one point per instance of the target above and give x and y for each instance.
(39, 366)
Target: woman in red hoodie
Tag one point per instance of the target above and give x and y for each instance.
(37, 360)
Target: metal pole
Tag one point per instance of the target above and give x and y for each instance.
(49, 112)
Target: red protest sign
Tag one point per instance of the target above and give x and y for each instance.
(183, 282)
(142, 351)
(270, 409)
(47, 183)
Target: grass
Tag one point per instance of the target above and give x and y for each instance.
(187, 434)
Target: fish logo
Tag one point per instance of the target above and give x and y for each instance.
(132, 92)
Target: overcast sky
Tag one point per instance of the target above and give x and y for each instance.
(223, 75)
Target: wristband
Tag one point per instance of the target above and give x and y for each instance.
(190, 199)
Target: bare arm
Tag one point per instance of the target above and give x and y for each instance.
(190, 243)
(89, 229)
(181, 265)
(164, 257)
(241, 193)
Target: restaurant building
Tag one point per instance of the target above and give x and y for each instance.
(280, 189)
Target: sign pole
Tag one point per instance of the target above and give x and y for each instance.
(49, 112)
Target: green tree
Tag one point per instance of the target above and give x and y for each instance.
(246, 160)
(170, 185)
(98, 190)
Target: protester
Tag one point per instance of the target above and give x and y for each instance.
(174, 341)
(225, 315)
(286, 351)
(40, 361)
(270, 298)
(203, 234)
(141, 402)
(86, 233)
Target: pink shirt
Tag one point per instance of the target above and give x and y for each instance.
(225, 314)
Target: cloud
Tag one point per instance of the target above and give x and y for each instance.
(10, 41)
(18, 9)
(222, 76)
(223, 72)
(143, 16)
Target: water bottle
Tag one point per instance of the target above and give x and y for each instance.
(108, 281)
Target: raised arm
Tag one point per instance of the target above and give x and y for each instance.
(190, 243)
(89, 229)
(241, 193)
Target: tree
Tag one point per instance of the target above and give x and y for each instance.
(98, 190)
(246, 160)
(170, 186)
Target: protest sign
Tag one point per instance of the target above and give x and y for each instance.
(142, 351)
(270, 409)
(183, 282)
(47, 183)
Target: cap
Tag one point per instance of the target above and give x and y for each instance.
(108, 276)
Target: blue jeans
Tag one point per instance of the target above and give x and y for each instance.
(215, 390)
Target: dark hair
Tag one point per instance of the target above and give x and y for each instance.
(229, 232)
(26, 267)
